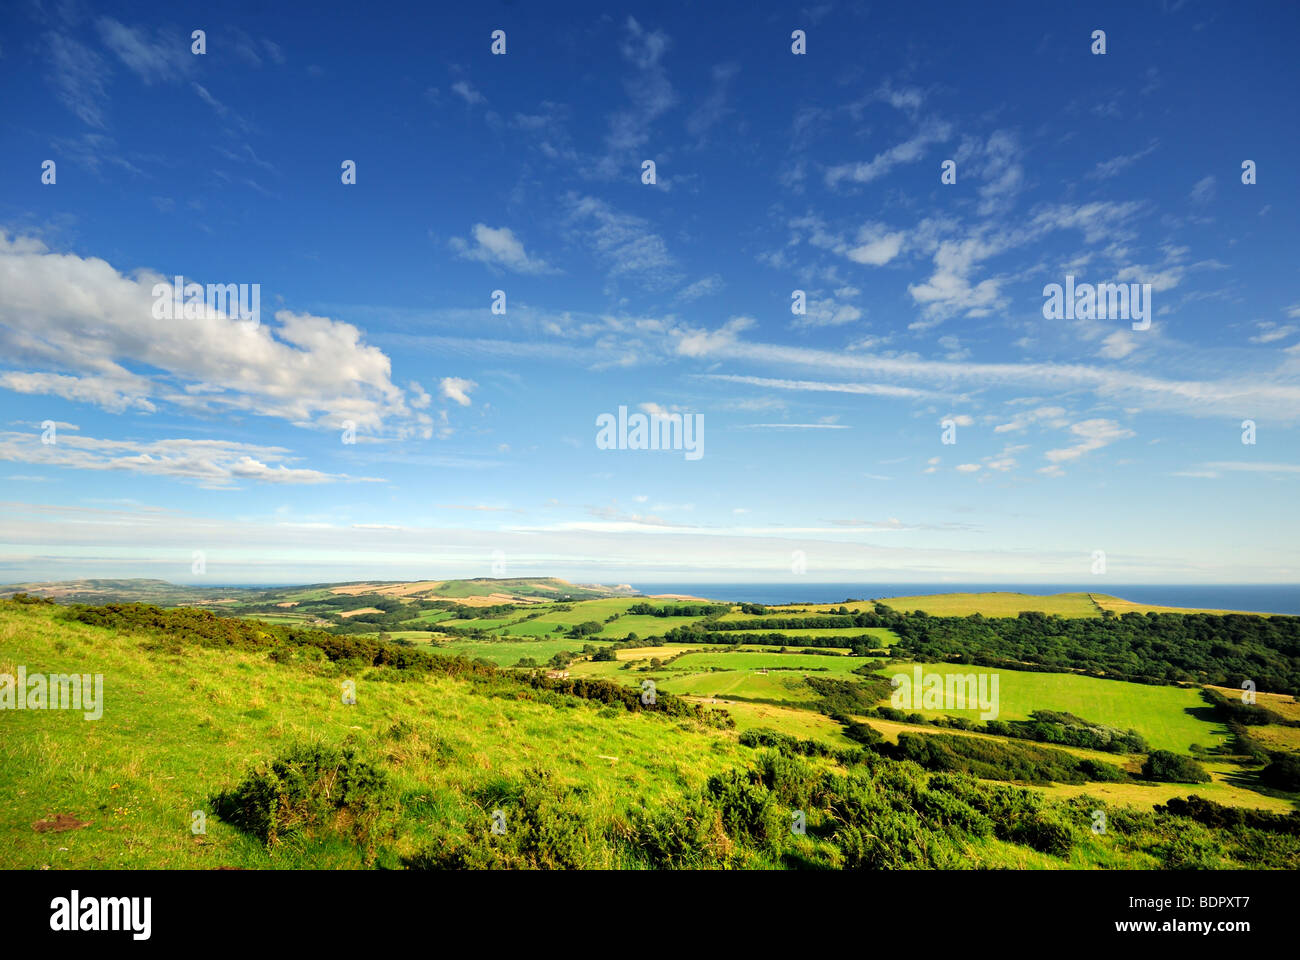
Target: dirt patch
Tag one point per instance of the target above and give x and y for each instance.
(62, 822)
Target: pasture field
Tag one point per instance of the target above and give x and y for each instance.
(997, 604)
(783, 662)
(1143, 794)
(804, 724)
(1280, 703)
(882, 636)
(890, 730)
(1163, 715)
(282, 618)
(663, 652)
(1276, 737)
(617, 671)
(1119, 606)
(782, 686)
(433, 616)
(643, 625)
(506, 653)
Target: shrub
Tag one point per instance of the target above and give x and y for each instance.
(1283, 773)
(542, 828)
(312, 791)
(1168, 767)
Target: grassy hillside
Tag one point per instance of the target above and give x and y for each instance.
(178, 725)
(579, 783)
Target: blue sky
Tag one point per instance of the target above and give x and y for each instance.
(823, 433)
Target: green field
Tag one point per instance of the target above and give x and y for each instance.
(997, 604)
(742, 684)
(832, 666)
(881, 636)
(506, 653)
(1159, 713)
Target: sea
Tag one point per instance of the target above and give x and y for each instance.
(1267, 598)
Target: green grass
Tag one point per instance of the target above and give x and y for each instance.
(1159, 713)
(741, 684)
(179, 726)
(997, 604)
(830, 666)
(176, 728)
(506, 653)
(882, 636)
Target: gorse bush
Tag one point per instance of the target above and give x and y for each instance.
(540, 828)
(312, 791)
(1168, 767)
(1283, 772)
(993, 760)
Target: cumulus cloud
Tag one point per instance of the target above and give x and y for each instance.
(86, 331)
(498, 246)
(876, 247)
(457, 389)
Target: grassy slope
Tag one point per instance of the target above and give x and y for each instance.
(177, 727)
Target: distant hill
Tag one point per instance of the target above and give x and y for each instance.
(482, 591)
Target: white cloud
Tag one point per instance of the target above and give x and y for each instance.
(209, 463)
(498, 246)
(651, 95)
(91, 335)
(1203, 192)
(457, 389)
(875, 246)
(1106, 169)
(906, 152)
(624, 243)
(1267, 392)
(468, 93)
(165, 58)
(703, 287)
(1054, 415)
(1117, 345)
(1094, 435)
(1269, 332)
